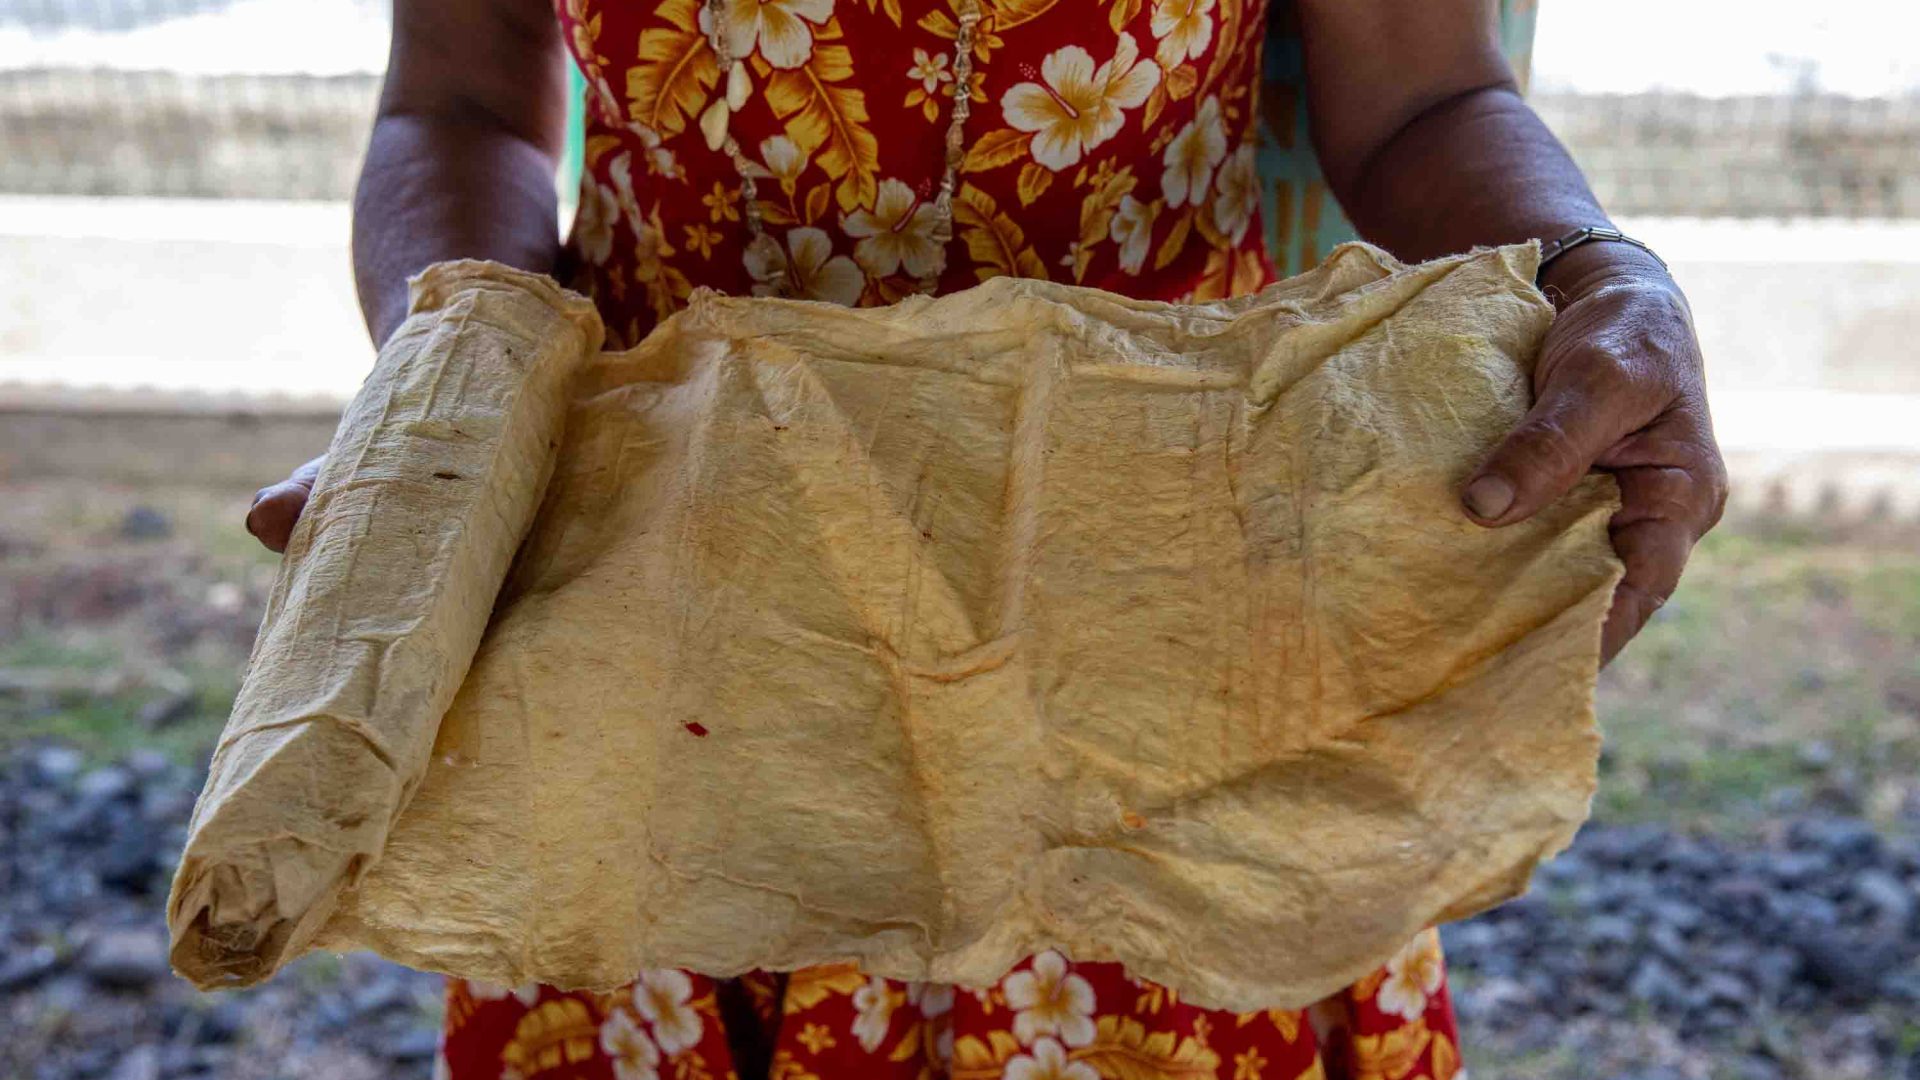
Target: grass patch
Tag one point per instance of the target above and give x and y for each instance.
(88, 689)
(1788, 662)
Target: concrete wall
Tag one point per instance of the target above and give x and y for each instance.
(126, 304)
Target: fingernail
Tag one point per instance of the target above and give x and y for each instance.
(1489, 497)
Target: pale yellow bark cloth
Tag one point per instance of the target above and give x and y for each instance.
(925, 636)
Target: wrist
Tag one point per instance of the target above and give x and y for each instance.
(1589, 267)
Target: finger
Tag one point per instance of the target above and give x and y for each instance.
(275, 511)
(1577, 417)
(1653, 533)
(1680, 442)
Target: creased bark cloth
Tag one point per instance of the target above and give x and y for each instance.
(926, 636)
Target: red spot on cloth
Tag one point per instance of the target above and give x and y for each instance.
(697, 728)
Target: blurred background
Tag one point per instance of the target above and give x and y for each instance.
(177, 328)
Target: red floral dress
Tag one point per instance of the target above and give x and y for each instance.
(1111, 144)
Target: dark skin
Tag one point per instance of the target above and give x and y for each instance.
(1422, 135)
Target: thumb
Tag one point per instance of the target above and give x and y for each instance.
(276, 509)
(1572, 423)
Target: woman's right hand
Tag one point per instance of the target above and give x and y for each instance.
(276, 508)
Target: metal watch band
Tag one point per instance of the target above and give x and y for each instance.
(1587, 234)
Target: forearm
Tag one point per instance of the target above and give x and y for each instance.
(433, 190)
(1481, 168)
(462, 159)
(460, 166)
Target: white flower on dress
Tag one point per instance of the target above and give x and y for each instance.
(649, 240)
(527, 994)
(1050, 1000)
(932, 999)
(873, 1013)
(593, 223)
(1191, 156)
(1132, 229)
(1413, 975)
(1235, 191)
(808, 265)
(897, 232)
(1048, 1061)
(1076, 107)
(634, 1056)
(660, 160)
(620, 171)
(784, 159)
(931, 70)
(1184, 28)
(600, 96)
(943, 1047)
(661, 995)
(778, 27)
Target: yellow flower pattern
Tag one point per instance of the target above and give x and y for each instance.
(1107, 145)
(1048, 1019)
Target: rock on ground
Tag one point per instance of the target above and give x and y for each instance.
(1641, 953)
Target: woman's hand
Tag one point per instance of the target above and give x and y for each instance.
(276, 508)
(1619, 386)
(1424, 138)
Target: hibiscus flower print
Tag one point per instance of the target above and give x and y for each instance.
(784, 161)
(779, 28)
(1076, 107)
(1050, 1000)
(808, 267)
(634, 1056)
(661, 996)
(1184, 28)
(897, 232)
(620, 171)
(1048, 1061)
(650, 247)
(593, 225)
(527, 994)
(1235, 191)
(873, 1013)
(1413, 975)
(1192, 155)
(660, 160)
(932, 999)
(1132, 229)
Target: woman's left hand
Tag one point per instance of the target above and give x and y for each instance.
(1620, 387)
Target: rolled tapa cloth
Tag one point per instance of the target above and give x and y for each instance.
(928, 637)
(431, 481)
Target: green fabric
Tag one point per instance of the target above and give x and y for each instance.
(573, 158)
(1302, 219)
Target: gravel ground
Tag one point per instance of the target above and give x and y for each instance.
(1746, 905)
(1642, 953)
(85, 992)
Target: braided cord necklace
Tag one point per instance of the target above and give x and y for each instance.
(715, 121)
